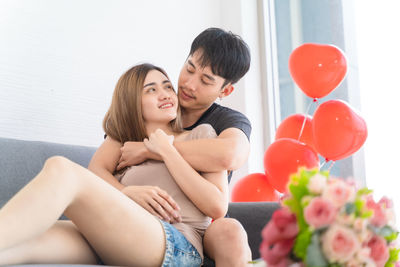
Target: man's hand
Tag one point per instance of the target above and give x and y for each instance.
(159, 141)
(156, 201)
(132, 153)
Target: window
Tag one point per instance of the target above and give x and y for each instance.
(295, 22)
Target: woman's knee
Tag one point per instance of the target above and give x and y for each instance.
(59, 167)
(57, 163)
(226, 235)
(227, 228)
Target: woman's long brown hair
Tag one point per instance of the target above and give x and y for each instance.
(124, 120)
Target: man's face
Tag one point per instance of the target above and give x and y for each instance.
(198, 87)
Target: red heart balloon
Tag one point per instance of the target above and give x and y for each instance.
(317, 69)
(284, 157)
(338, 130)
(291, 127)
(254, 188)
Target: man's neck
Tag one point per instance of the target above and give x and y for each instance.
(191, 116)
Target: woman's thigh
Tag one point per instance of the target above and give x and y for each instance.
(119, 230)
(62, 244)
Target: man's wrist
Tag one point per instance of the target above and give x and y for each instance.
(150, 155)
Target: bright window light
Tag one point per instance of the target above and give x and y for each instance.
(378, 41)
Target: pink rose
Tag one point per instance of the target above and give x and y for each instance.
(320, 212)
(339, 243)
(275, 254)
(379, 218)
(379, 250)
(387, 203)
(278, 237)
(363, 256)
(283, 225)
(339, 192)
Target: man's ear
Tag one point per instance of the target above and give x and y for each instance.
(227, 90)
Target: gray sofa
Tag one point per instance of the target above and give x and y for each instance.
(21, 160)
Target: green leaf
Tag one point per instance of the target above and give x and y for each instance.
(350, 208)
(363, 191)
(388, 233)
(292, 204)
(361, 211)
(315, 257)
(393, 257)
(301, 243)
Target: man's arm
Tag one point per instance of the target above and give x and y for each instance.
(229, 151)
(104, 161)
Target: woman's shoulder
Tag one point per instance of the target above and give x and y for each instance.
(202, 131)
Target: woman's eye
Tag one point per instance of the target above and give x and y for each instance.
(190, 70)
(151, 90)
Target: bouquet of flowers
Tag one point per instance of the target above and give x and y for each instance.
(325, 221)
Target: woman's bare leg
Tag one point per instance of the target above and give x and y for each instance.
(62, 243)
(119, 230)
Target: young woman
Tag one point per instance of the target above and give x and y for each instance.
(105, 222)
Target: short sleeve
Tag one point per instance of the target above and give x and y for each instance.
(229, 118)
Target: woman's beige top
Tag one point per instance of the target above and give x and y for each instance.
(151, 172)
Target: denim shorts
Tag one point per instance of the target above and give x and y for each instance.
(179, 251)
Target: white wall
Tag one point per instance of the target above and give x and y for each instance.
(60, 60)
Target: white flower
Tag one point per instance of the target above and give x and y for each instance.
(317, 183)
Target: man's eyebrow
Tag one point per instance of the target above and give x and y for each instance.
(191, 63)
(211, 78)
(153, 83)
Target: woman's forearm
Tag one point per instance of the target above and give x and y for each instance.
(210, 197)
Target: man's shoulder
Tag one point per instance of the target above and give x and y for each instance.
(222, 118)
(222, 110)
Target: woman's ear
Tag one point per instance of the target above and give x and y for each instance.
(227, 90)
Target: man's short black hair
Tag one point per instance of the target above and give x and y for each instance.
(226, 53)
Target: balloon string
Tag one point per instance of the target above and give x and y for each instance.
(326, 161)
(323, 163)
(305, 118)
(330, 167)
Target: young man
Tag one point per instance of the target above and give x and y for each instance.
(217, 60)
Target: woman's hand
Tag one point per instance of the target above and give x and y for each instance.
(156, 201)
(159, 142)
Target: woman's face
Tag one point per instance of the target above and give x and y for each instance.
(159, 100)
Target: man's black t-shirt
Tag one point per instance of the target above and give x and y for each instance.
(222, 118)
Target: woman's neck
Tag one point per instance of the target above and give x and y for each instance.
(152, 127)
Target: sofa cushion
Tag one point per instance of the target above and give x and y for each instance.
(20, 161)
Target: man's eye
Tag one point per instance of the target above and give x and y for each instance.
(204, 82)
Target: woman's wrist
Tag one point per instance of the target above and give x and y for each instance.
(167, 151)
